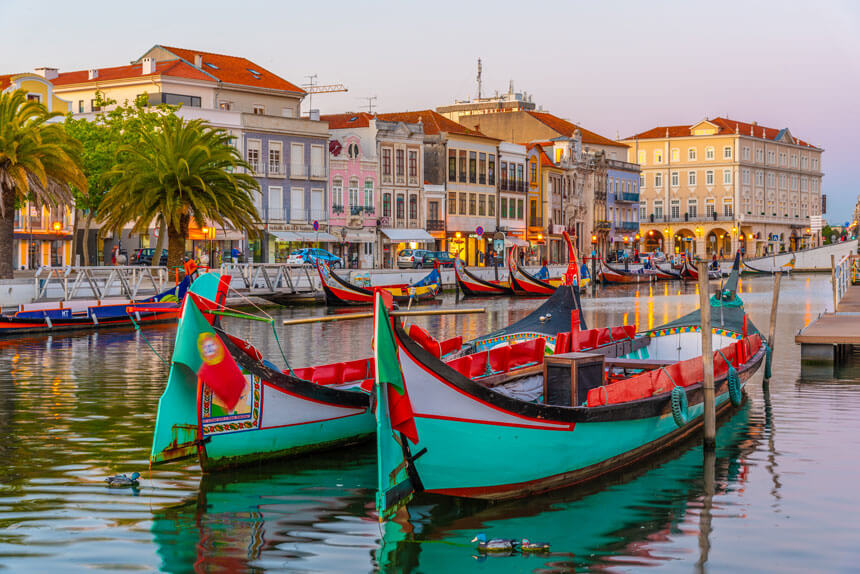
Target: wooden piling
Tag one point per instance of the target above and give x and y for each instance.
(707, 358)
(771, 335)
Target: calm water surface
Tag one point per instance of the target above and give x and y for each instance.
(780, 493)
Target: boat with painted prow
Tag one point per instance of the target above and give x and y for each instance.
(473, 286)
(584, 415)
(340, 292)
(53, 317)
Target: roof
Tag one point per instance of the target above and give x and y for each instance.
(567, 128)
(236, 70)
(725, 126)
(5, 81)
(434, 123)
(347, 120)
(174, 68)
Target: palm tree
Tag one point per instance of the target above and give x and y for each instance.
(39, 161)
(179, 171)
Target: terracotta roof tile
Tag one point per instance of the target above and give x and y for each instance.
(5, 81)
(434, 122)
(567, 128)
(175, 68)
(236, 70)
(347, 120)
(725, 126)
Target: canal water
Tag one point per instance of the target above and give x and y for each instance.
(779, 494)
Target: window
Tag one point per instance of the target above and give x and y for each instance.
(400, 207)
(399, 164)
(520, 208)
(759, 155)
(288, 112)
(771, 157)
(803, 184)
(728, 207)
(473, 204)
(94, 105)
(804, 162)
(317, 199)
(709, 177)
(317, 162)
(297, 204)
(771, 179)
(643, 207)
(452, 165)
(353, 193)
(491, 169)
(727, 152)
(691, 154)
(297, 160)
(794, 183)
(746, 176)
(692, 208)
(413, 165)
(337, 192)
(413, 207)
(675, 179)
(491, 205)
(452, 203)
(520, 175)
(276, 203)
(482, 169)
(793, 160)
(462, 162)
(727, 177)
(386, 205)
(504, 207)
(462, 202)
(482, 205)
(676, 154)
(783, 182)
(473, 167)
(783, 158)
(275, 158)
(253, 154)
(675, 209)
(814, 163)
(80, 106)
(641, 157)
(503, 174)
(658, 209)
(691, 178)
(709, 153)
(533, 172)
(658, 179)
(368, 194)
(709, 208)
(658, 156)
(226, 106)
(759, 178)
(746, 153)
(386, 163)
(177, 99)
(641, 180)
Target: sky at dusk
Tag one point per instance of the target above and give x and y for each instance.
(617, 68)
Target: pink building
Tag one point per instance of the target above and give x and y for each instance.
(353, 187)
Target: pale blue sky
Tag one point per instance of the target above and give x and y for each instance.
(615, 67)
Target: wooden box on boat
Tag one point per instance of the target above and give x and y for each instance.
(568, 377)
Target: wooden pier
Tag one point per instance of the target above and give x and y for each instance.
(830, 336)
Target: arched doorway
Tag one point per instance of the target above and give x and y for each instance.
(686, 241)
(718, 241)
(652, 241)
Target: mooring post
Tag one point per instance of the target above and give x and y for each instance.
(771, 335)
(833, 279)
(707, 358)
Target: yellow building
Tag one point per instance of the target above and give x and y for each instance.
(720, 185)
(42, 236)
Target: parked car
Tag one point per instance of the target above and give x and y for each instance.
(144, 256)
(309, 256)
(411, 258)
(444, 258)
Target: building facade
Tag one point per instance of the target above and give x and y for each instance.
(42, 235)
(720, 185)
(622, 204)
(513, 194)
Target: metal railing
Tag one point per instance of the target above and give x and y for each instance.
(271, 277)
(318, 172)
(840, 277)
(624, 196)
(99, 282)
(298, 170)
(276, 169)
(435, 225)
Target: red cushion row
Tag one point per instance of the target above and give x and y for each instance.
(683, 373)
(431, 345)
(500, 359)
(592, 338)
(337, 373)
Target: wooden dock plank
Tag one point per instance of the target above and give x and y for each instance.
(832, 328)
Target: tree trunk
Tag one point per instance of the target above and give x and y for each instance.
(85, 242)
(75, 241)
(159, 245)
(176, 242)
(7, 227)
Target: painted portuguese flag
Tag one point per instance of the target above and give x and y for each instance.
(388, 373)
(199, 348)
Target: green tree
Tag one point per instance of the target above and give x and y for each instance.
(101, 138)
(181, 170)
(826, 232)
(39, 161)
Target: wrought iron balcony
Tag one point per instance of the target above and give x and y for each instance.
(435, 225)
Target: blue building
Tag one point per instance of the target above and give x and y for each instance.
(622, 203)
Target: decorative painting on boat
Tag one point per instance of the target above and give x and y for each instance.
(245, 415)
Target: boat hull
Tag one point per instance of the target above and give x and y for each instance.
(611, 275)
(473, 286)
(341, 293)
(11, 326)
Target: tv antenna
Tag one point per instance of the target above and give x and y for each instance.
(313, 88)
(371, 102)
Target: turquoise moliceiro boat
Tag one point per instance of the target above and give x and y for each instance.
(441, 432)
(278, 414)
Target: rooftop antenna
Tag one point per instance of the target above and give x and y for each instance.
(313, 88)
(309, 87)
(371, 101)
(479, 78)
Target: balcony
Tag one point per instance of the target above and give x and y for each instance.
(258, 169)
(435, 225)
(318, 172)
(513, 186)
(602, 224)
(629, 197)
(652, 218)
(627, 226)
(337, 209)
(277, 169)
(279, 214)
(298, 170)
(356, 209)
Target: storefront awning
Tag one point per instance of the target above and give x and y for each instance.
(405, 235)
(515, 242)
(303, 236)
(353, 236)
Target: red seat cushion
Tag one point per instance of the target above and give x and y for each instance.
(527, 352)
(562, 343)
(478, 364)
(603, 337)
(328, 374)
(355, 370)
(305, 373)
(587, 339)
(424, 339)
(451, 345)
(461, 365)
(499, 358)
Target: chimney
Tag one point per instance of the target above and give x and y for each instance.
(198, 60)
(47, 73)
(92, 74)
(148, 66)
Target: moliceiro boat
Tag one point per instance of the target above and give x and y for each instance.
(57, 316)
(612, 275)
(689, 270)
(340, 292)
(227, 405)
(581, 416)
(473, 286)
